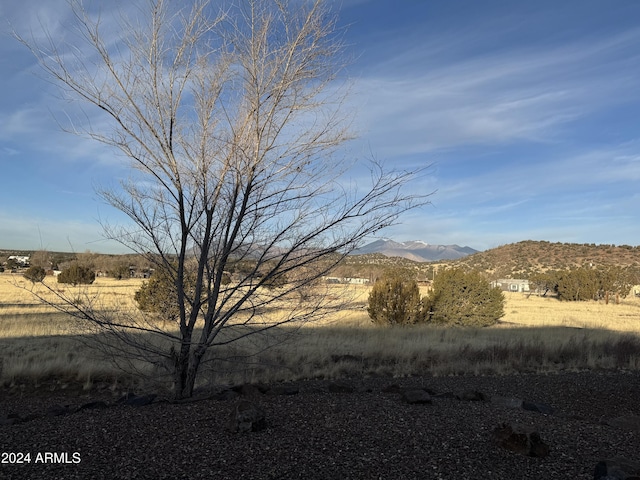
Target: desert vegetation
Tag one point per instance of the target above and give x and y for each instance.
(38, 344)
(456, 298)
(395, 299)
(463, 299)
(585, 283)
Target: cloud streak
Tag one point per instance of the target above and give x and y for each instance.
(529, 95)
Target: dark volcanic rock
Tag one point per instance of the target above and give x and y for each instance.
(626, 422)
(617, 468)
(471, 396)
(283, 390)
(538, 407)
(58, 410)
(246, 417)
(507, 402)
(226, 395)
(520, 439)
(10, 419)
(318, 435)
(93, 405)
(140, 401)
(340, 387)
(416, 396)
(126, 397)
(248, 390)
(392, 388)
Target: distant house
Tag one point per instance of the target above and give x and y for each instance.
(20, 259)
(357, 281)
(511, 285)
(349, 280)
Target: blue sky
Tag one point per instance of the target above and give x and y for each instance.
(527, 111)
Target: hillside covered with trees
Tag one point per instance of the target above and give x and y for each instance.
(523, 259)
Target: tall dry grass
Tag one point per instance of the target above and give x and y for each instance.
(536, 335)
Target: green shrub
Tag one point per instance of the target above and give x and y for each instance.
(544, 282)
(463, 298)
(395, 299)
(158, 295)
(35, 274)
(77, 275)
(577, 285)
(586, 283)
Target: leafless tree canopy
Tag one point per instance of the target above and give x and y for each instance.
(233, 118)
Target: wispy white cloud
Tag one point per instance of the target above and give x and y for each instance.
(36, 126)
(21, 121)
(8, 151)
(420, 105)
(559, 175)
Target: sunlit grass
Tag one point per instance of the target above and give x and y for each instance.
(17, 293)
(534, 311)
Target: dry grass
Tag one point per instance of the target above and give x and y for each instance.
(37, 342)
(536, 335)
(16, 297)
(537, 311)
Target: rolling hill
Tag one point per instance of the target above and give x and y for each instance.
(524, 258)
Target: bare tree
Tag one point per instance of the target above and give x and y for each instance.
(233, 119)
(41, 258)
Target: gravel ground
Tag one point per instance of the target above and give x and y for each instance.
(316, 434)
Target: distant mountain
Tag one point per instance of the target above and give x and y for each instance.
(416, 250)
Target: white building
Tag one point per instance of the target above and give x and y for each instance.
(349, 280)
(21, 259)
(511, 285)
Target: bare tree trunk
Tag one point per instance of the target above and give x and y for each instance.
(190, 380)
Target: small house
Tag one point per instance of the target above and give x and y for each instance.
(349, 280)
(22, 260)
(512, 285)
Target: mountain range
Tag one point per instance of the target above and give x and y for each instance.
(415, 250)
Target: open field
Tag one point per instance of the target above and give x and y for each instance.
(536, 335)
(537, 311)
